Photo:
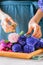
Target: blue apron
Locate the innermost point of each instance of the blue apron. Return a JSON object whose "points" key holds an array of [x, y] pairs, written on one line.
{"points": [[21, 12], [19, 0]]}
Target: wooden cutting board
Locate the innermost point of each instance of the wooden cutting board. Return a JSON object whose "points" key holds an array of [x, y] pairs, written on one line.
{"points": [[20, 55]]}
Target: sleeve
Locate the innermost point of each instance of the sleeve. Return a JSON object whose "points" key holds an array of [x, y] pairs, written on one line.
{"points": [[40, 4]]}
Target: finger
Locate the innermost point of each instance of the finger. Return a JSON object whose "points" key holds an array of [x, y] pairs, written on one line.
{"points": [[39, 34], [10, 29], [29, 31], [9, 19], [12, 21], [35, 33], [36, 29]]}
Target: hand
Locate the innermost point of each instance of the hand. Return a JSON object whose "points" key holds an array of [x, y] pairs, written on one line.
{"points": [[37, 29], [7, 22]]}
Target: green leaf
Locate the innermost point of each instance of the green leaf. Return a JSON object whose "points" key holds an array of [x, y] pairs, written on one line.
{"points": [[21, 33], [6, 41]]}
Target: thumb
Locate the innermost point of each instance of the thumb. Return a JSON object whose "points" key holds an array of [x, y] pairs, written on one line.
{"points": [[29, 30]]}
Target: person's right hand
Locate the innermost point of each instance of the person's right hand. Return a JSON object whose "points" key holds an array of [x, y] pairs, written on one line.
{"points": [[5, 20], [37, 29]]}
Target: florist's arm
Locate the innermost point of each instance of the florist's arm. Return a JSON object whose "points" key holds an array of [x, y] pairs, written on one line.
{"points": [[33, 24], [37, 17]]}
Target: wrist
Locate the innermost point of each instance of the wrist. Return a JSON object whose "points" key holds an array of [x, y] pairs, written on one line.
{"points": [[33, 21]]}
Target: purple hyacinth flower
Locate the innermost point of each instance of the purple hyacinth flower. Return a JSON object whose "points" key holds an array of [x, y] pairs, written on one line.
{"points": [[22, 40], [41, 43], [31, 40], [16, 48], [37, 45], [28, 48]]}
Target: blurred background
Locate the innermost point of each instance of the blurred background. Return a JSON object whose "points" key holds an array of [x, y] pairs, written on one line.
{"points": [[21, 12]]}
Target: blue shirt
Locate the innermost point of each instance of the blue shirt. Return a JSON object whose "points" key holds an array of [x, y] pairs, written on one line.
{"points": [[40, 4]]}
